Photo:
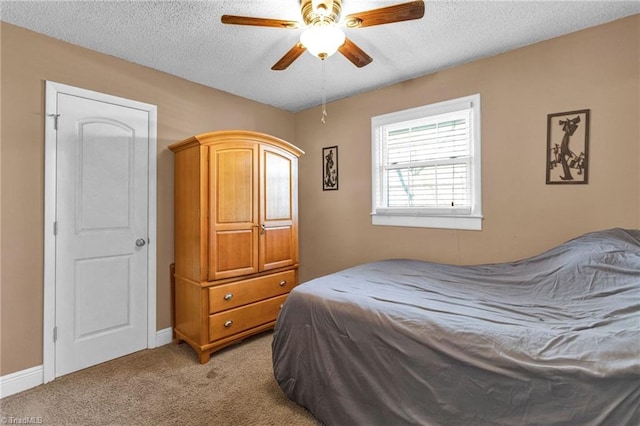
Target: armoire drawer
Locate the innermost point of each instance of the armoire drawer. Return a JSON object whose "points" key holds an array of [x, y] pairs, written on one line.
{"points": [[240, 319], [239, 293]]}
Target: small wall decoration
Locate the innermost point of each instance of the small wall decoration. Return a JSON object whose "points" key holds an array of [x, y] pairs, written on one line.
{"points": [[568, 147], [330, 168]]}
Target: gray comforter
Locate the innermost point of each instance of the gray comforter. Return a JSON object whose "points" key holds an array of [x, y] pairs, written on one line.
{"points": [[554, 339]]}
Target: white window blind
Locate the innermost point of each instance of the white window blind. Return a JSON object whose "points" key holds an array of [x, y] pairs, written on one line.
{"points": [[425, 161]]}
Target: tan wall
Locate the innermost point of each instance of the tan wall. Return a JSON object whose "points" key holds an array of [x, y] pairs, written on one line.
{"points": [[596, 69], [184, 109], [1, 205]]}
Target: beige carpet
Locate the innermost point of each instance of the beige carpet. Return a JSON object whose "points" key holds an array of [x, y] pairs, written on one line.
{"points": [[166, 386]]}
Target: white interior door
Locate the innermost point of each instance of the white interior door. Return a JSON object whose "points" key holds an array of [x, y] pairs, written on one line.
{"points": [[101, 231]]}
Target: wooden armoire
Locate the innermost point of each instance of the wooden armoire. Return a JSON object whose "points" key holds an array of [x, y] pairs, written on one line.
{"points": [[236, 235]]}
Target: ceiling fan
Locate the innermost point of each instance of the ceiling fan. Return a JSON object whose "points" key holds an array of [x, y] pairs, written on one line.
{"points": [[322, 36]]}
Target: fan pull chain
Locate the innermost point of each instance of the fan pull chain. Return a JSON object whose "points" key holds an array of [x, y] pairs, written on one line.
{"points": [[324, 93]]}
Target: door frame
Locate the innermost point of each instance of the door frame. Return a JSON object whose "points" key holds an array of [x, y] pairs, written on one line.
{"points": [[52, 89]]}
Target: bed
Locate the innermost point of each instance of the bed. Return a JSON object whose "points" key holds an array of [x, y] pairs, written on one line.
{"points": [[549, 340]]}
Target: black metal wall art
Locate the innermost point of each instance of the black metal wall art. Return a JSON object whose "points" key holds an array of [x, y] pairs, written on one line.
{"points": [[330, 168], [568, 147]]}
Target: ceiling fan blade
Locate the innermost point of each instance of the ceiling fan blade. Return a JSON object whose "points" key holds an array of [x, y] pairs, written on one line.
{"points": [[353, 53], [289, 57], [386, 15], [258, 22]]}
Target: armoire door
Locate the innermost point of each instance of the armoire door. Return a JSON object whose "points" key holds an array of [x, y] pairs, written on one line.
{"points": [[278, 209], [233, 210]]}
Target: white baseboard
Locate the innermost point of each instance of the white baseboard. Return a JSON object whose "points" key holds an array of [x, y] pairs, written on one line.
{"points": [[164, 336], [21, 381]]}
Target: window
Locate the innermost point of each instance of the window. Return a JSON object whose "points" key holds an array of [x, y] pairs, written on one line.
{"points": [[426, 166]]}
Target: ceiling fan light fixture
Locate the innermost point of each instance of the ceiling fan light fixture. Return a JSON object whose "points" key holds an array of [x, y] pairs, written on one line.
{"points": [[322, 37], [322, 40]]}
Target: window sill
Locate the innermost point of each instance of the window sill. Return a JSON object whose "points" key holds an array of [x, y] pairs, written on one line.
{"points": [[470, 223]]}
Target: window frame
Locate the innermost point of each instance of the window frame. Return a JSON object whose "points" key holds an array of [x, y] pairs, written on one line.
{"points": [[428, 217]]}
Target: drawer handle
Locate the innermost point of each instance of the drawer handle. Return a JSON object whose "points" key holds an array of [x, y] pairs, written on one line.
{"points": [[228, 323], [283, 283], [228, 296]]}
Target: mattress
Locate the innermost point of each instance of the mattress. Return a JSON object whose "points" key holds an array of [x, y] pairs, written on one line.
{"points": [[553, 339]]}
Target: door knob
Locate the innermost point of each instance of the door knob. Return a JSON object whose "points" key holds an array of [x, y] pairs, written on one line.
{"points": [[140, 242]]}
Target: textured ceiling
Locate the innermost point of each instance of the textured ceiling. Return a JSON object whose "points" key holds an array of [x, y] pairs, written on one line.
{"points": [[186, 39]]}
